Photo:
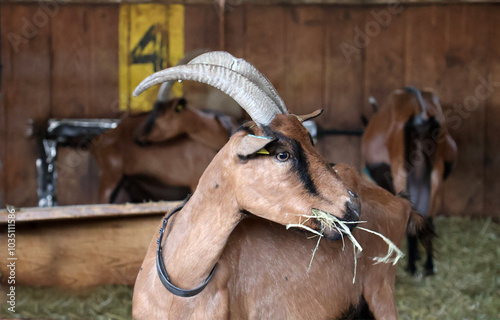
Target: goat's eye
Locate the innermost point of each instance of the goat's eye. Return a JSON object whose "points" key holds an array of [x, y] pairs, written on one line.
{"points": [[283, 156]]}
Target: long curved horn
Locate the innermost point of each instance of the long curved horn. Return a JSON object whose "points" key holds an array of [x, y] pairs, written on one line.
{"points": [[225, 59], [166, 87], [247, 94]]}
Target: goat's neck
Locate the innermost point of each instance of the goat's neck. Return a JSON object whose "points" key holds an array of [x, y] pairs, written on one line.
{"points": [[197, 235], [208, 131]]}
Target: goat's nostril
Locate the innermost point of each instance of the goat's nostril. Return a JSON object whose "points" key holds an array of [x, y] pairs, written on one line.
{"points": [[352, 194], [354, 209], [141, 143]]}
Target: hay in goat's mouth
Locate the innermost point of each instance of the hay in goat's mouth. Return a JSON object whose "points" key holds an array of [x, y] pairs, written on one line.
{"points": [[341, 226]]}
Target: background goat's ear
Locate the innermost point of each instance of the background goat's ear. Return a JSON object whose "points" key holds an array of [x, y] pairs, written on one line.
{"points": [[311, 115], [181, 104], [250, 145]]}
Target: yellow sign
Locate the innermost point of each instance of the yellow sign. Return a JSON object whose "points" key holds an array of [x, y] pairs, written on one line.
{"points": [[151, 38]]}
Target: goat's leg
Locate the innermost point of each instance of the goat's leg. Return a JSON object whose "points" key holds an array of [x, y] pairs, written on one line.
{"points": [[120, 187], [429, 265], [108, 184], [380, 300], [412, 254]]}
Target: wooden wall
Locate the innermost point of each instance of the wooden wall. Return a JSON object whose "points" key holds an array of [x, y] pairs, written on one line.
{"points": [[69, 69], [65, 66]]}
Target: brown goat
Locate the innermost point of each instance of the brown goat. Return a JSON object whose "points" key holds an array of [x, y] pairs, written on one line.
{"points": [[178, 155], [407, 147], [171, 120], [268, 175]]}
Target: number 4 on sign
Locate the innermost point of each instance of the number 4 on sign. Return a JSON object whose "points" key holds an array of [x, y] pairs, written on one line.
{"points": [[151, 49]]}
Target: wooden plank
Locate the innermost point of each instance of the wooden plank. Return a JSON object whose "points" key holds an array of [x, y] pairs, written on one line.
{"points": [[5, 77], [304, 60], [3, 151], [201, 27], [26, 95], [267, 50], [151, 40], [201, 31], [465, 49], [71, 81], [344, 91], [275, 2], [103, 34], [491, 116], [75, 255], [235, 28], [425, 46], [385, 28], [86, 211]]}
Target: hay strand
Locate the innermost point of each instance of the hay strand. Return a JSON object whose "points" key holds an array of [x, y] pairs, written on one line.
{"points": [[341, 226], [391, 249]]}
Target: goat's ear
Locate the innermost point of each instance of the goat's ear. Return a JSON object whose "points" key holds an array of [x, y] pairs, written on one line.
{"points": [[251, 145], [310, 116]]}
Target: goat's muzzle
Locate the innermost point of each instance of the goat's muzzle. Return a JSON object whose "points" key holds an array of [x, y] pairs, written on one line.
{"points": [[350, 217]]}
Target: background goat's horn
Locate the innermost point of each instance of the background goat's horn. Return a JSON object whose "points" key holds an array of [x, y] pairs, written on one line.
{"points": [[165, 90], [241, 66], [247, 94]]}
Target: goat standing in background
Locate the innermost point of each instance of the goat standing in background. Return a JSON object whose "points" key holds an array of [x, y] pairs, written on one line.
{"points": [[268, 175], [406, 147]]}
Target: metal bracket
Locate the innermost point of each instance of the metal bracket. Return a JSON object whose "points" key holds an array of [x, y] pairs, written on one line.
{"points": [[64, 132]]}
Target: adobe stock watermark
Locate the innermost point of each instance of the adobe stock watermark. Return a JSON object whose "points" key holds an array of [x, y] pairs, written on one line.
{"points": [[11, 258], [381, 19], [31, 25], [460, 111]]}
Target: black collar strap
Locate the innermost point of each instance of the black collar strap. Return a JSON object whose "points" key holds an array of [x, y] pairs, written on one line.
{"points": [[160, 265]]}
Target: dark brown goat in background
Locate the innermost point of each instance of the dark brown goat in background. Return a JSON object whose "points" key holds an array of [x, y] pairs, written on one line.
{"points": [[407, 148], [269, 175]]}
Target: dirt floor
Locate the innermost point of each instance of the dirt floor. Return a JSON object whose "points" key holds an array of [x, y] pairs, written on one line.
{"points": [[466, 286]]}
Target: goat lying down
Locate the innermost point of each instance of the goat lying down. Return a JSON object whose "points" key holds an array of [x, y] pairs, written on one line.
{"points": [[184, 139], [269, 175]]}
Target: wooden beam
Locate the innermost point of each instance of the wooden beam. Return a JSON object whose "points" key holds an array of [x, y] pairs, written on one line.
{"points": [[89, 211], [260, 2]]}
